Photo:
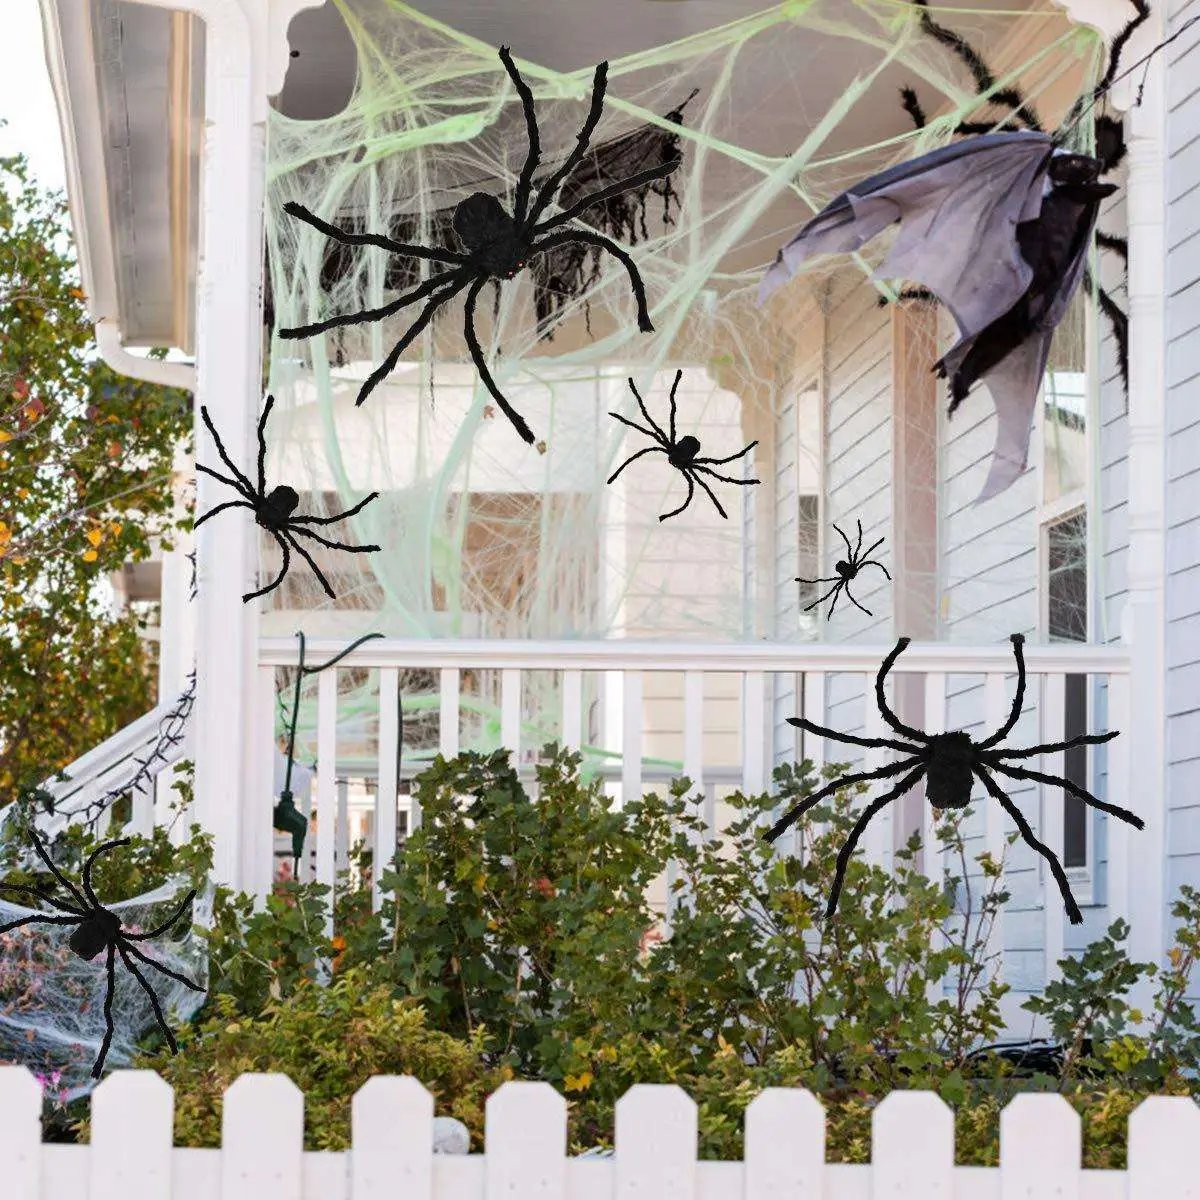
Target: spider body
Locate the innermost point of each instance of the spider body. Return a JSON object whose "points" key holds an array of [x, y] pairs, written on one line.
{"points": [[951, 763], [846, 571], [98, 929], [681, 452], [497, 245], [274, 510]]}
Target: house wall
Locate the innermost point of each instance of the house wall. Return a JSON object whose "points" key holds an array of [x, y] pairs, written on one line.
{"points": [[1183, 449]]}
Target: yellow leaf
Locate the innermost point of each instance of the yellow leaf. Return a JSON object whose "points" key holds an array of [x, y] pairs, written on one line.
{"points": [[5, 437], [90, 556], [578, 1083], [95, 536]]}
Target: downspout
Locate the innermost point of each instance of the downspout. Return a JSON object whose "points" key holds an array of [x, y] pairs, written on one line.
{"points": [[149, 370]]}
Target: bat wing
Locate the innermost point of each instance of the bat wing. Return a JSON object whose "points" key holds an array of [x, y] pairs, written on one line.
{"points": [[958, 209]]}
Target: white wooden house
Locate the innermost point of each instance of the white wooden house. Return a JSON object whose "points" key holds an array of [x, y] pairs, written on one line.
{"points": [[164, 105]]}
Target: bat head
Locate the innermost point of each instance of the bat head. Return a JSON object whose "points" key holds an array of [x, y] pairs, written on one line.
{"points": [[1074, 169]]}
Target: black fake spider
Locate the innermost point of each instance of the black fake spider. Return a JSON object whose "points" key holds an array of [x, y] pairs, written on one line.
{"points": [[950, 762], [497, 245], [847, 569], [681, 454], [273, 510], [99, 929]]}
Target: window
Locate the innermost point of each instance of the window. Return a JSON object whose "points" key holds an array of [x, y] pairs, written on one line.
{"points": [[1066, 621], [808, 546]]}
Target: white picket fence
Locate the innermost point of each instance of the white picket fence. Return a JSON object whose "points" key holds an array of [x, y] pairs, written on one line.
{"points": [[131, 1156]]}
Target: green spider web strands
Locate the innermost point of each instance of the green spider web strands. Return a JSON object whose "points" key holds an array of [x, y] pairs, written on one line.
{"points": [[482, 536]]}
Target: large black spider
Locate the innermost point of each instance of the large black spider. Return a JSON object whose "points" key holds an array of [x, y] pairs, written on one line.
{"points": [[273, 510], [681, 454], [949, 762], [847, 570], [97, 929], [496, 245], [1109, 137]]}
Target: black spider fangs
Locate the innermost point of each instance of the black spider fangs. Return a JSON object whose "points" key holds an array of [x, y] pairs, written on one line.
{"points": [[950, 762], [496, 245]]}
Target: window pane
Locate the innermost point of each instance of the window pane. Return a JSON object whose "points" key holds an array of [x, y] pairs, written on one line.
{"points": [[1066, 579], [1064, 434]]}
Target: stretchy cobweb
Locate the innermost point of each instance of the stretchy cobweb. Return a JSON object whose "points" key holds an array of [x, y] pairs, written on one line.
{"points": [[483, 536]]}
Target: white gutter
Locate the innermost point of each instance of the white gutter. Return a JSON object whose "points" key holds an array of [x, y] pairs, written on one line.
{"points": [[150, 370]]}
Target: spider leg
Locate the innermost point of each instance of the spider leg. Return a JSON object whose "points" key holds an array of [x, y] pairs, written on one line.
{"points": [[145, 985], [847, 850], [316, 537], [308, 558], [853, 739], [881, 700], [620, 187], [287, 561], [262, 445], [350, 512], [725, 478], [370, 239], [870, 549], [1018, 642], [850, 597], [388, 365], [74, 892], [709, 493], [87, 868], [534, 156], [220, 445], [74, 919], [858, 543], [655, 433], [212, 512], [1014, 772], [837, 595], [671, 398], [98, 1065], [45, 897], [240, 488], [1085, 739], [634, 458], [518, 421], [142, 956], [849, 550], [820, 599], [363, 315], [872, 563], [691, 492], [588, 238], [145, 937], [1060, 876], [548, 190], [658, 433], [717, 462]]}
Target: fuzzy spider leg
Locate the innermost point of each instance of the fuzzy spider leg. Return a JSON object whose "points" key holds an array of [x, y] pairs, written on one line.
{"points": [[880, 566], [549, 189], [1018, 644], [1060, 876], [220, 445], [1084, 739], [262, 444], [649, 175], [316, 537], [308, 558], [724, 478], [588, 238], [74, 919], [870, 550], [841, 583], [72, 890], [518, 421], [294, 209], [287, 562], [850, 738], [708, 491], [634, 458], [849, 549], [655, 434], [150, 962], [720, 462], [797, 811], [671, 398], [350, 512], [170, 921], [109, 1030], [145, 986], [691, 492], [534, 157], [237, 486], [88, 890], [654, 430], [837, 595], [1023, 773], [457, 280], [44, 897], [881, 699], [363, 315], [860, 607], [847, 850], [212, 512]]}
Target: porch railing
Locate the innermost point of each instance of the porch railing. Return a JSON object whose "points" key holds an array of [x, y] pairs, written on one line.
{"points": [[765, 672]]}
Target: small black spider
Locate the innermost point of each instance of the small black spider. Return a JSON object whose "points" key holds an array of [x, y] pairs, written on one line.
{"points": [[681, 454], [847, 569], [497, 245], [99, 929], [273, 510], [949, 761]]}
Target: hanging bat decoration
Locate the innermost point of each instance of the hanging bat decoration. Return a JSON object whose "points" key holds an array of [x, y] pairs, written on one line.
{"points": [[997, 227]]}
